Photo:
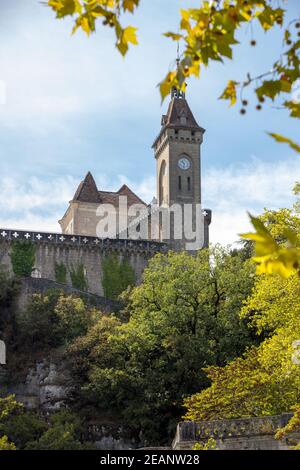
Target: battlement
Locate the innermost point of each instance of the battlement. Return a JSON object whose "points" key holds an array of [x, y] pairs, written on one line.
{"points": [[83, 241], [74, 250]]}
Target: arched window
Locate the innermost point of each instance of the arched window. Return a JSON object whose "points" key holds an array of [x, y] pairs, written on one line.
{"points": [[162, 183]]}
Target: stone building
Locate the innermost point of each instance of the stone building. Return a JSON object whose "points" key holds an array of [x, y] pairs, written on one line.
{"points": [[81, 216], [175, 216]]}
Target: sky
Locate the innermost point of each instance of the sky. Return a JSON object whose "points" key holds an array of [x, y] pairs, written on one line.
{"points": [[72, 104]]}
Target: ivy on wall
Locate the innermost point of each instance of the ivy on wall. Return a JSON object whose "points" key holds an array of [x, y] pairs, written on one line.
{"points": [[60, 271], [78, 278], [117, 276], [22, 257]]}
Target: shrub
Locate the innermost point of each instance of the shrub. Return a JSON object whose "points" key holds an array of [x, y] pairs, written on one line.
{"points": [[22, 258]]}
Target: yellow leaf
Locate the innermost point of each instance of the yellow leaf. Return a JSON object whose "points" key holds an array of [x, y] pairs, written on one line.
{"points": [[285, 140], [85, 25], [129, 5], [129, 35], [175, 37], [166, 85], [230, 92], [271, 257]]}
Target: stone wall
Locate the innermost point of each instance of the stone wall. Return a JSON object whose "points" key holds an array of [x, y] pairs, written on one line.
{"points": [[73, 250], [30, 286], [46, 387], [235, 434]]}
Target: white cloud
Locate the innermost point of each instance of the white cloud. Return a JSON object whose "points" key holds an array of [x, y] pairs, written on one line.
{"points": [[233, 191], [37, 204], [35, 194], [36, 223]]}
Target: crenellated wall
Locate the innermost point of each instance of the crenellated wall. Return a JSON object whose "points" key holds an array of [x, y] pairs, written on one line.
{"points": [[72, 250]]}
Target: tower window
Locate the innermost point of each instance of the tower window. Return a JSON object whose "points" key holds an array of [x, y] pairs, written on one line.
{"points": [[189, 183], [179, 183]]}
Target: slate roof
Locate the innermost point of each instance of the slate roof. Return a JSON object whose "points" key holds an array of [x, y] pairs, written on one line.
{"points": [[87, 191], [178, 109]]}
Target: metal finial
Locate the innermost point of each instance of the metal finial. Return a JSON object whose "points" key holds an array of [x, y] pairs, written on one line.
{"points": [[178, 57], [175, 92]]}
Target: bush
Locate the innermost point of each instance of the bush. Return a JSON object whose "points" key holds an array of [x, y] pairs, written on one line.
{"points": [[22, 258], [64, 433], [5, 444], [52, 320]]}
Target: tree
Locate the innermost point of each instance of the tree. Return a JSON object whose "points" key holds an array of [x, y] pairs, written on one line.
{"points": [[21, 429], [117, 276], [9, 288], [5, 444], [208, 34], [62, 433], [266, 379], [8, 407], [183, 317], [276, 240], [51, 320]]}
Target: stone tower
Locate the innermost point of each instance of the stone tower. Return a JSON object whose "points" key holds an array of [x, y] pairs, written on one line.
{"points": [[178, 155]]}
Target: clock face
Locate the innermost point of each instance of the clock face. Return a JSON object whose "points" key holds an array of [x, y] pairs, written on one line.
{"points": [[184, 163]]}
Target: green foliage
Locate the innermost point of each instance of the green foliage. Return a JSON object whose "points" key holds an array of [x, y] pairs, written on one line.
{"points": [[293, 426], [60, 273], [266, 379], [9, 288], [22, 257], [20, 429], [210, 444], [5, 444], [8, 407], [78, 278], [51, 320], [24, 427], [182, 317], [74, 317], [63, 433], [118, 275]]}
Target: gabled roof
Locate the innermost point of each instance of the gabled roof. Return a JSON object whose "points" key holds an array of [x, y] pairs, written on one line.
{"points": [[87, 191], [111, 197]]}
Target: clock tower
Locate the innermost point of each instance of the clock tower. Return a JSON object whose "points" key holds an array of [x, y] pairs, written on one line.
{"points": [[178, 157]]}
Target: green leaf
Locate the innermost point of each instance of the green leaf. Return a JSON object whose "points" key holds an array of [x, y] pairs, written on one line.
{"points": [[272, 88]]}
